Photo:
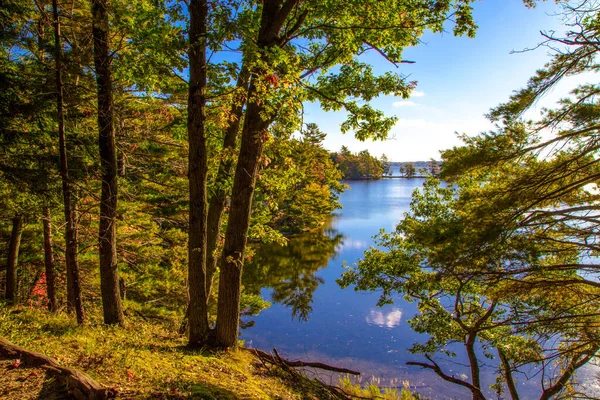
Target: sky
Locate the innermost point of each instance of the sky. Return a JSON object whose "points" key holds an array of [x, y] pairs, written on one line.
{"points": [[459, 81]]}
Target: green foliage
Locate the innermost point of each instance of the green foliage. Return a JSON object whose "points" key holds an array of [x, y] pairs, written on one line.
{"points": [[408, 170], [315, 59], [468, 277], [502, 260], [299, 185], [358, 166]]}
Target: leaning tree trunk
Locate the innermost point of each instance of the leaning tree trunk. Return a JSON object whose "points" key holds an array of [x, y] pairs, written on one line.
{"points": [[198, 172], [232, 261], [254, 134], [13, 258], [109, 276], [49, 262], [219, 197], [73, 282]]}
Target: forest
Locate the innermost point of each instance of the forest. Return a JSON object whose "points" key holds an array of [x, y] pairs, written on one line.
{"points": [[149, 149], [361, 165]]}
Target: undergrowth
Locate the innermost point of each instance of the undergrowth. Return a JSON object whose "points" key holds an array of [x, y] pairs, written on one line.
{"points": [[148, 359]]}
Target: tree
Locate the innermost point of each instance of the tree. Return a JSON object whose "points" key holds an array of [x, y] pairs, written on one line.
{"points": [[408, 170], [49, 262], [198, 170], [13, 258], [299, 184], [281, 61], [73, 278], [387, 165], [358, 166], [503, 259], [109, 276], [433, 167], [458, 271]]}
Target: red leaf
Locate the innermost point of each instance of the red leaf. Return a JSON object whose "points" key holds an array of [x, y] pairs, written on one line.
{"points": [[130, 375]]}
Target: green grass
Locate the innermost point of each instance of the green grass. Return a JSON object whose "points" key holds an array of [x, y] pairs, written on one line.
{"points": [[148, 359], [145, 359]]}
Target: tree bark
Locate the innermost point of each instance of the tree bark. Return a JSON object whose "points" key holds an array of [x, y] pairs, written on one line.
{"points": [[109, 275], [254, 134], [219, 198], [13, 258], [474, 365], [73, 282], [508, 376], [198, 173], [49, 262]]}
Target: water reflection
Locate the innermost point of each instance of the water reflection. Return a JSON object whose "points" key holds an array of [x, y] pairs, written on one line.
{"points": [[384, 319], [290, 271], [345, 328]]}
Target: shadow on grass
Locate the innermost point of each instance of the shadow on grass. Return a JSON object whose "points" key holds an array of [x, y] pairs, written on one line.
{"points": [[52, 388], [20, 381]]}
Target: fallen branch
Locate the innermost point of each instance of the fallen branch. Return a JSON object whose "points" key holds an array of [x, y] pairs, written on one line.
{"points": [[80, 385], [277, 359], [436, 368], [314, 387]]}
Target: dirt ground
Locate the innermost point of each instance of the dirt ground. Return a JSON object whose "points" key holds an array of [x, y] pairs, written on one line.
{"points": [[19, 382]]}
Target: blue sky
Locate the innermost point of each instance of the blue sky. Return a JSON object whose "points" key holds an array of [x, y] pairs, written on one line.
{"points": [[459, 80]]}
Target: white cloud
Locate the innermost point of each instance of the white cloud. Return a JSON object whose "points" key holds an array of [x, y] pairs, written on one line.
{"points": [[406, 103], [472, 127], [417, 93], [416, 139]]}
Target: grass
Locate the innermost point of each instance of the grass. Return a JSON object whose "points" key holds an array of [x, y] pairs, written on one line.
{"points": [[148, 359]]}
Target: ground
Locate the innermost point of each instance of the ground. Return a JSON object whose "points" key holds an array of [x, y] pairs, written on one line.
{"points": [[18, 382], [145, 360]]}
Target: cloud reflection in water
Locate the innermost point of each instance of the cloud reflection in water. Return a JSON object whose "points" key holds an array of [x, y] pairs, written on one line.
{"points": [[384, 319]]}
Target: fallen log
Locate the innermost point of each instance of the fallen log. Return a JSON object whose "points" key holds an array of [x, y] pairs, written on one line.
{"points": [[80, 385], [277, 359]]}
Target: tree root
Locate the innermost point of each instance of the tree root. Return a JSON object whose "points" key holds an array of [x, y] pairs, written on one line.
{"points": [[80, 385]]}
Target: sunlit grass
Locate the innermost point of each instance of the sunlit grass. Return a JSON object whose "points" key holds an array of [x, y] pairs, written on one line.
{"points": [[148, 359]]}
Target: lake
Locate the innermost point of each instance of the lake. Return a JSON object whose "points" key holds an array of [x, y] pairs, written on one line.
{"points": [[312, 318]]}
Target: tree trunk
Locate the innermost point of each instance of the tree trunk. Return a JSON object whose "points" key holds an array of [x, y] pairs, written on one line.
{"points": [[508, 376], [219, 198], [73, 282], [109, 276], [49, 262], [254, 134], [474, 365], [13, 258], [198, 172]]}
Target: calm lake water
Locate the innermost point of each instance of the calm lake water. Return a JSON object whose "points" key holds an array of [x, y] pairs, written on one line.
{"points": [[313, 319]]}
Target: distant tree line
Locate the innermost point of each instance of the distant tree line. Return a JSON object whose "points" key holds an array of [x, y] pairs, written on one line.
{"points": [[361, 165], [419, 169]]}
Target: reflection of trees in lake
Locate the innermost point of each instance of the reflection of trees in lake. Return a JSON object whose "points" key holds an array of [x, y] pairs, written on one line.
{"points": [[291, 270]]}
